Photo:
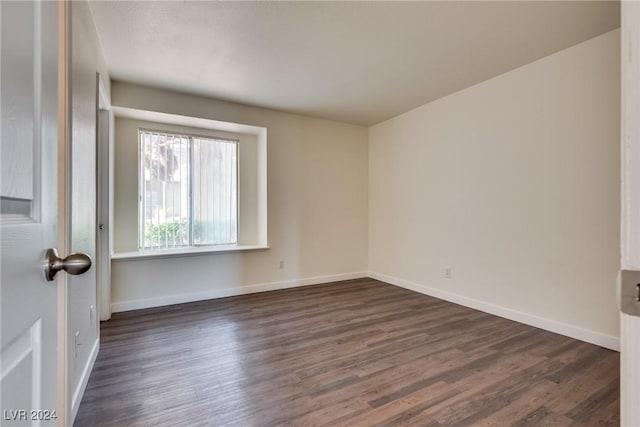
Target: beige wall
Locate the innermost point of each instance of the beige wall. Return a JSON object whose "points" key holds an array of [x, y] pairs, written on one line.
{"points": [[317, 206], [514, 184]]}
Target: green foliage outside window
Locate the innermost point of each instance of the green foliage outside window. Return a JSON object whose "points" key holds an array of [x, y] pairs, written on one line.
{"points": [[166, 234]]}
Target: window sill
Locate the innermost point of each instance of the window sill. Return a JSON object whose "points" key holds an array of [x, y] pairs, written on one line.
{"points": [[173, 253]]}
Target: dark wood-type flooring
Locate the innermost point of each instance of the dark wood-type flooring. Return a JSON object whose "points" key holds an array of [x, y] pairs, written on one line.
{"points": [[353, 353]]}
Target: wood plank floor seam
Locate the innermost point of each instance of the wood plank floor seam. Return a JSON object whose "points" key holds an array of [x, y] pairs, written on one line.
{"points": [[353, 353]]}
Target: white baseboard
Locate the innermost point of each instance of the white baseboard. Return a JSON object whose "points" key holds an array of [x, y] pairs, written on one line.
{"points": [[597, 338], [230, 291], [561, 328], [84, 379]]}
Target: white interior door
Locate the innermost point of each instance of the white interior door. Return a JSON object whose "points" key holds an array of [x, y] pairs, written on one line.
{"points": [[630, 325], [28, 155]]}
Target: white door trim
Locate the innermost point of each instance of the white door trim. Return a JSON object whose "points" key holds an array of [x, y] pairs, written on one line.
{"points": [[630, 221], [104, 183], [63, 160]]}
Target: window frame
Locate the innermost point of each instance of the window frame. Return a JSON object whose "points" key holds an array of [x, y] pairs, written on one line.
{"points": [[141, 185]]}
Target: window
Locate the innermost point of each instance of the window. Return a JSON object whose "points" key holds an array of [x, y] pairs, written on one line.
{"points": [[188, 190]]}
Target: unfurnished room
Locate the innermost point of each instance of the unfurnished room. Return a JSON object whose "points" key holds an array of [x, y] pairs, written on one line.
{"points": [[319, 213]]}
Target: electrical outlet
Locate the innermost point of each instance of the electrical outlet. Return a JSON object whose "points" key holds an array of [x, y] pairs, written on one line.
{"points": [[447, 272], [281, 265]]}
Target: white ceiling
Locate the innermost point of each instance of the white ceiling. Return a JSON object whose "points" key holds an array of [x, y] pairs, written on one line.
{"points": [[356, 62]]}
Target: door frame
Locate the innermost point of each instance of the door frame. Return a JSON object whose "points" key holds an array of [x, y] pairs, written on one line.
{"points": [[104, 211], [630, 195], [64, 208]]}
